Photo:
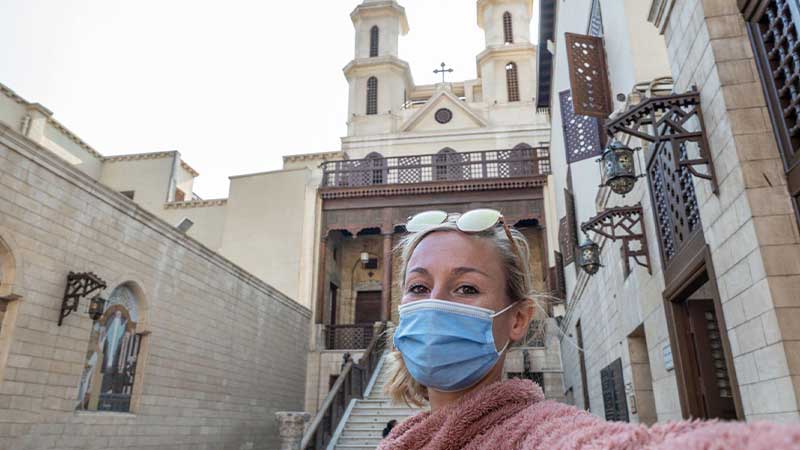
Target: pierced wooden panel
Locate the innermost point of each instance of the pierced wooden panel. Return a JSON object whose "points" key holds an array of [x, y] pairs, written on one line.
{"points": [[676, 210], [581, 133], [564, 242], [559, 282], [588, 75]]}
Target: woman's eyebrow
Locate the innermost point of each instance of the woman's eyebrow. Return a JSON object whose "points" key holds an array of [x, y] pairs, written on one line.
{"points": [[463, 270], [420, 270]]}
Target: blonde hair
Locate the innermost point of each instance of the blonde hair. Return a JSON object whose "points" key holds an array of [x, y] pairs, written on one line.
{"points": [[519, 287]]}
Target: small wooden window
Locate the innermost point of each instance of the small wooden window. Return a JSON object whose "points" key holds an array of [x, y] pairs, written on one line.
{"points": [[128, 194], [372, 96], [512, 82], [180, 196], [374, 35], [508, 29]]}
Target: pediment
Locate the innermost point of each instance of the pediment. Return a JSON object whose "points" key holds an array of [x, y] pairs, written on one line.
{"points": [[462, 117]]}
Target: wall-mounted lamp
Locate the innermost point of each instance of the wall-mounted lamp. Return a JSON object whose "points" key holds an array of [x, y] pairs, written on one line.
{"points": [[589, 256], [96, 307], [618, 167]]}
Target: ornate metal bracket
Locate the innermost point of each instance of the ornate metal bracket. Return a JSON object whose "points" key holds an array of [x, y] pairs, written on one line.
{"points": [[663, 119], [621, 223], [79, 285]]}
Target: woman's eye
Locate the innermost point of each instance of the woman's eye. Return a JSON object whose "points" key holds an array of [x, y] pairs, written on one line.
{"points": [[417, 289], [466, 290]]}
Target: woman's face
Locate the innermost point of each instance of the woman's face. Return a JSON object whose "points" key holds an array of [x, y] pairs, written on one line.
{"points": [[457, 267]]}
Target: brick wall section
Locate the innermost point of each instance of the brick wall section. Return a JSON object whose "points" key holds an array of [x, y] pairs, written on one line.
{"points": [[750, 226], [225, 351]]}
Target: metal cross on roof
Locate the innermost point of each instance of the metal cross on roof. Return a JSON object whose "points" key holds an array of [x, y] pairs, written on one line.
{"points": [[443, 71]]}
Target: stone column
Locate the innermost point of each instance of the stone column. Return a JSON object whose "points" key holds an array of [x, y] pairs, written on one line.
{"points": [[386, 293], [290, 427], [320, 313]]}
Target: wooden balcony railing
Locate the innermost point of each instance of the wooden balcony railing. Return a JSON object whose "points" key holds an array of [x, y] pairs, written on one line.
{"points": [[521, 161], [351, 383], [348, 337]]}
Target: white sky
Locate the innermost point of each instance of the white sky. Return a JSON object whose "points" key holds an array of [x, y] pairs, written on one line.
{"points": [[233, 85]]}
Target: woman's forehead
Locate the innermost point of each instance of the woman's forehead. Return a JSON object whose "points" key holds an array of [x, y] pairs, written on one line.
{"points": [[442, 249]]}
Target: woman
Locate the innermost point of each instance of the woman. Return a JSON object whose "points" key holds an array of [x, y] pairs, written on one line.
{"points": [[466, 296]]}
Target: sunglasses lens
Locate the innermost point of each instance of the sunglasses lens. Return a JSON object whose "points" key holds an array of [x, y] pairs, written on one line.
{"points": [[424, 220], [478, 220]]}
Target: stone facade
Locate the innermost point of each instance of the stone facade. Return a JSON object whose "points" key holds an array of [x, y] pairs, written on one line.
{"points": [[749, 225], [221, 351]]}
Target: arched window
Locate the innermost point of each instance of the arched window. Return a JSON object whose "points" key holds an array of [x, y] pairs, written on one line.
{"points": [[375, 165], [512, 82], [110, 370], [508, 29], [7, 303], [372, 96], [449, 165], [373, 41]]}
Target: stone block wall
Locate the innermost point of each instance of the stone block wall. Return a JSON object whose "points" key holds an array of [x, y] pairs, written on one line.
{"points": [[222, 350], [750, 226]]}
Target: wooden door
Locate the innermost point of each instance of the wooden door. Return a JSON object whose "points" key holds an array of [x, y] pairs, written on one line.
{"points": [[710, 370], [368, 307]]}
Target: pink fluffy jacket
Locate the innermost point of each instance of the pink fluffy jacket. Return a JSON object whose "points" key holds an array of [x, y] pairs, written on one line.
{"points": [[513, 415]]}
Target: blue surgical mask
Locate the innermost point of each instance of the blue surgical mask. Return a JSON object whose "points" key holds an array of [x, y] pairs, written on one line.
{"points": [[447, 346]]}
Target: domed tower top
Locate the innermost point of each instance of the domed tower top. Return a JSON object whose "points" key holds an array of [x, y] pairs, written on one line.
{"points": [[505, 21], [379, 25]]}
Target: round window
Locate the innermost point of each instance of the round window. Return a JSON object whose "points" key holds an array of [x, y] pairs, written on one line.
{"points": [[443, 115]]}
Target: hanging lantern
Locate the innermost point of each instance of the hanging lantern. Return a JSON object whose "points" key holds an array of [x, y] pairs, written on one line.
{"points": [[364, 257], [589, 257], [618, 167], [96, 306]]}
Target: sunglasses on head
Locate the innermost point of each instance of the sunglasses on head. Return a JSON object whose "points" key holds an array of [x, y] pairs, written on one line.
{"points": [[474, 221]]}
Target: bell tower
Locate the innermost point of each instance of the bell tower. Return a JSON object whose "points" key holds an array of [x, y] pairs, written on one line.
{"points": [[507, 65], [377, 77]]}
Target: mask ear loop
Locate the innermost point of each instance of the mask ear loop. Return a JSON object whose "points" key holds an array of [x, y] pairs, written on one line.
{"points": [[508, 342]]}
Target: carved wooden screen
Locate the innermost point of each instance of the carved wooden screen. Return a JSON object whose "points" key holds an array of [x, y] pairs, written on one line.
{"points": [[614, 401], [588, 75], [676, 210], [774, 27], [581, 133]]}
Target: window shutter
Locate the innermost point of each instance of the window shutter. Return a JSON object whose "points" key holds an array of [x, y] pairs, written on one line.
{"points": [[559, 282], [588, 75], [572, 223], [581, 133], [564, 242], [614, 402]]}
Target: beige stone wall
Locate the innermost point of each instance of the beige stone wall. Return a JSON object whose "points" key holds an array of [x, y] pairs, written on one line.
{"points": [[224, 350], [750, 226]]}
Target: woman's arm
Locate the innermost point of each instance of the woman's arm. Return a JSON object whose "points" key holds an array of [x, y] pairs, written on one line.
{"points": [[559, 426]]}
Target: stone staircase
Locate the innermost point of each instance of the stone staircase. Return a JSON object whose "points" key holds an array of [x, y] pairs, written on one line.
{"points": [[365, 419]]}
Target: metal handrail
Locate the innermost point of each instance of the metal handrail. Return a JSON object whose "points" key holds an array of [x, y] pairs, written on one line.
{"points": [[351, 383]]}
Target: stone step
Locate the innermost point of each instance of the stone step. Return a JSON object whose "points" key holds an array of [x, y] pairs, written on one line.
{"points": [[380, 412], [371, 433], [355, 446], [377, 419], [358, 441]]}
